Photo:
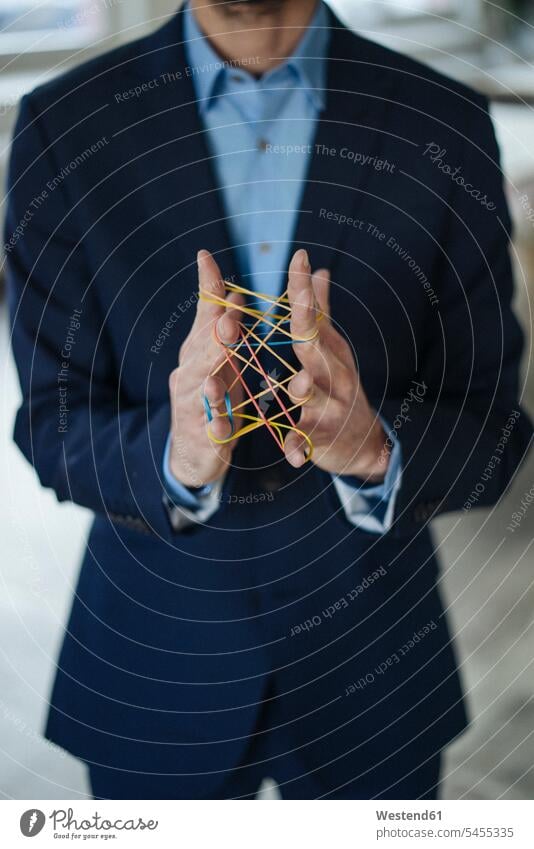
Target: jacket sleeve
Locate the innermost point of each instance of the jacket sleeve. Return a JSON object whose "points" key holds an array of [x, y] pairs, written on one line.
{"points": [[84, 439], [462, 430]]}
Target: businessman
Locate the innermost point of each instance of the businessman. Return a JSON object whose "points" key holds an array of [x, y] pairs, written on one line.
{"points": [[242, 613]]}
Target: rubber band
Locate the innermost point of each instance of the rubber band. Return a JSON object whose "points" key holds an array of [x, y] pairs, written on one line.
{"points": [[229, 413], [272, 319], [269, 329]]}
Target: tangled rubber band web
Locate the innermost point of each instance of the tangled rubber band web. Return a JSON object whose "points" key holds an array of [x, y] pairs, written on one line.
{"points": [[269, 329]]}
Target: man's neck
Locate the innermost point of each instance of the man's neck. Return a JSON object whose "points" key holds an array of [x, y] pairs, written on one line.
{"points": [[267, 32]]}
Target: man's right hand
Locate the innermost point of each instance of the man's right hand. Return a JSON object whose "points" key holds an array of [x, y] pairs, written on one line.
{"points": [[195, 460]]}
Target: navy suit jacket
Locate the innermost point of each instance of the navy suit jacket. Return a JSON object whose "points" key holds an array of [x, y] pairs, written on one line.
{"points": [[174, 639]]}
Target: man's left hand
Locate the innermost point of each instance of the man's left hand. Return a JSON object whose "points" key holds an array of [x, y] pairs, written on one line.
{"points": [[347, 435]]}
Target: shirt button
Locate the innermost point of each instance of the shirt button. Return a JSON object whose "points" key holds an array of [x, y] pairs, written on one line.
{"points": [[265, 248], [263, 144], [235, 78]]}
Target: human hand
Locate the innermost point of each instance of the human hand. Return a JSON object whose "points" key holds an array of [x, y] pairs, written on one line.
{"points": [[195, 460], [347, 436]]}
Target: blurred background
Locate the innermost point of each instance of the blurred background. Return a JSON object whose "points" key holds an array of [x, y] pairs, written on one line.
{"points": [[487, 570]]}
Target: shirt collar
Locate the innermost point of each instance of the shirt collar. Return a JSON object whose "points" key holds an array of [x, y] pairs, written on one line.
{"points": [[308, 60]]}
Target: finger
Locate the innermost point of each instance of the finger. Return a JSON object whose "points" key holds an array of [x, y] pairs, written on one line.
{"points": [[304, 325], [333, 339], [236, 300], [295, 448], [321, 289], [301, 297], [210, 285], [227, 327], [302, 388], [202, 344], [339, 346], [318, 409], [215, 393], [211, 289]]}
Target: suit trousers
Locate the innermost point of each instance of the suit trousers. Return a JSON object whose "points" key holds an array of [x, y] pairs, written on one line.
{"points": [[271, 754]]}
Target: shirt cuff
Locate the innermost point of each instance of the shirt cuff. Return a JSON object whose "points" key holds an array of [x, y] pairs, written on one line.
{"points": [[186, 507], [371, 507]]}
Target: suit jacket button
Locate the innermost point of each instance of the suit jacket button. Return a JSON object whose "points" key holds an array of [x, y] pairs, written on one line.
{"points": [[271, 482], [421, 513]]}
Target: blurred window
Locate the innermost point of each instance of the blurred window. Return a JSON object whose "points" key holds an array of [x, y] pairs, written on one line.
{"points": [[435, 31], [50, 24], [389, 11], [409, 8]]}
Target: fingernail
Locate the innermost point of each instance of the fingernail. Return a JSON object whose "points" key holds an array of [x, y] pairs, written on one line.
{"points": [[305, 259], [299, 459], [202, 254], [300, 258]]}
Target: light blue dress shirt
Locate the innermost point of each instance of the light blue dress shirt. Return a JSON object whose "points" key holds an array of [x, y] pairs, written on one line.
{"points": [[261, 134]]}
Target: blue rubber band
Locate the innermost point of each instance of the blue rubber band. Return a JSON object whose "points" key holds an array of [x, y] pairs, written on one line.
{"points": [[207, 409], [229, 411]]}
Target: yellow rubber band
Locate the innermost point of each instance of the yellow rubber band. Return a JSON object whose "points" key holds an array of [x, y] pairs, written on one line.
{"points": [[243, 355]]}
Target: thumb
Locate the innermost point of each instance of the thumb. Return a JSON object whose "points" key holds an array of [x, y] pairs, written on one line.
{"points": [[211, 289]]}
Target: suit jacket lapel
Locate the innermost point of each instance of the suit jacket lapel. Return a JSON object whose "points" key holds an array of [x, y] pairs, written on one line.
{"points": [[182, 149], [356, 108]]}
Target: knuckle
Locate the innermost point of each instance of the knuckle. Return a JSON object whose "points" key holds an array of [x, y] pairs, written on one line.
{"points": [[307, 351], [346, 385], [174, 380], [215, 394], [346, 348], [316, 355]]}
